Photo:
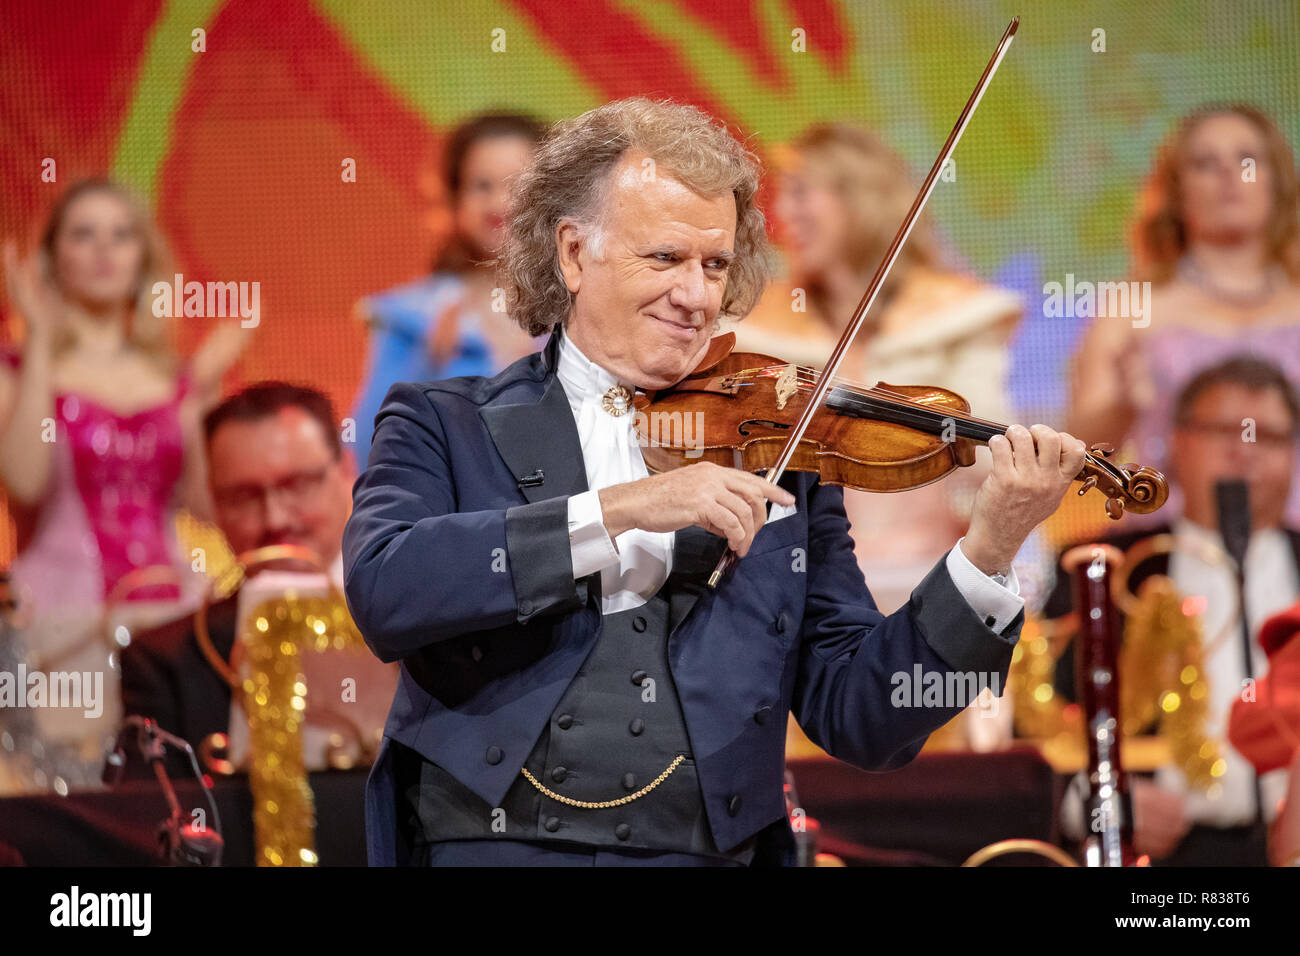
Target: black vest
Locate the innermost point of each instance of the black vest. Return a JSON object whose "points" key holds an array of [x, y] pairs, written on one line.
{"points": [[617, 728]]}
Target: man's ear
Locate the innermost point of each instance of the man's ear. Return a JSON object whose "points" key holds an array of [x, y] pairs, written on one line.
{"points": [[568, 245]]}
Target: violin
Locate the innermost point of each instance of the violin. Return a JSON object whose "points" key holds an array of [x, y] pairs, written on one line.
{"points": [[739, 408], [762, 414]]}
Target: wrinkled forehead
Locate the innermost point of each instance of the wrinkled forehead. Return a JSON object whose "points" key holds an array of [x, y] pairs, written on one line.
{"points": [[646, 199]]}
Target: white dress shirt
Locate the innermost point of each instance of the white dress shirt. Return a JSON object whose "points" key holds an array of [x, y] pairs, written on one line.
{"points": [[635, 565]]}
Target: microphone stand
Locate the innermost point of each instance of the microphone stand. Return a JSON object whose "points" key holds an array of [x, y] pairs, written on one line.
{"points": [[1233, 501], [179, 844], [1248, 663]]}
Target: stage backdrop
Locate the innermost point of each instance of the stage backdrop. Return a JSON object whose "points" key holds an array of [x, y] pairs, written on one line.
{"points": [[239, 147]]}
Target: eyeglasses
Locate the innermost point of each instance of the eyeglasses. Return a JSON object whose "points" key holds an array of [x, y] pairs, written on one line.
{"points": [[1272, 439], [297, 490]]}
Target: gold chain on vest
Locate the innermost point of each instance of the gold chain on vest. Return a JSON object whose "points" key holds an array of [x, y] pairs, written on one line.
{"points": [[604, 804]]}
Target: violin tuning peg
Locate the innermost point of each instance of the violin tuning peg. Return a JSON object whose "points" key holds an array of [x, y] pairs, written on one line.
{"points": [[1102, 448], [1114, 508], [1089, 483]]}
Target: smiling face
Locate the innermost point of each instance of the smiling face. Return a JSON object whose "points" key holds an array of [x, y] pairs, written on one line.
{"points": [[1219, 204], [646, 308]]}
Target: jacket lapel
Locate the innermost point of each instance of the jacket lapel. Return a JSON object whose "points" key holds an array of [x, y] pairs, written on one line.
{"points": [[539, 440], [695, 555], [539, 443]]}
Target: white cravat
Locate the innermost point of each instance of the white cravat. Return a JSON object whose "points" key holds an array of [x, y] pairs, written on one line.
{"points": [[631, 573], [635, 565]]}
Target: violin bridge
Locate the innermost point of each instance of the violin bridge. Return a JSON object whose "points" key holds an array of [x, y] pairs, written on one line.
{"points": [[787, 383]]}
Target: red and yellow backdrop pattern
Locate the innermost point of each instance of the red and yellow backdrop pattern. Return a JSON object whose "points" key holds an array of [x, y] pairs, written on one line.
{"points": [[239, 147]]}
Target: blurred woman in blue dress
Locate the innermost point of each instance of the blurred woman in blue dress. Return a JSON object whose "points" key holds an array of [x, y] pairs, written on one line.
{"points": [[453, 321]]}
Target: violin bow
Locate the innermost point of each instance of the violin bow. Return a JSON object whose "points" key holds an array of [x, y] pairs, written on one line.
{"points": [[832, 366]]}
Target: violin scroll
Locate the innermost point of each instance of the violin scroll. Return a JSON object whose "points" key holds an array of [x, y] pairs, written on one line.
{"points": [[1127, 487]]}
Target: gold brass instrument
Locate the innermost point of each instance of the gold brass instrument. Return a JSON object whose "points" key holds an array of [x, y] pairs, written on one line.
{"points": [[1008, 847], [274, 696], [1163, 658], [1161, 667]]}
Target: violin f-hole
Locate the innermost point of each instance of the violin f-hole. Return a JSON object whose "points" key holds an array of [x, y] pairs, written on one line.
{"points": [[758, 421]]}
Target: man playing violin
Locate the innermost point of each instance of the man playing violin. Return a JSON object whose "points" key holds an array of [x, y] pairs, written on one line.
{"points": [[572, 690]]}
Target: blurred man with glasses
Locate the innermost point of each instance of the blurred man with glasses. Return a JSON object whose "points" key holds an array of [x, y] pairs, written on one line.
{"points": [[1236, 421], [278, 476]]}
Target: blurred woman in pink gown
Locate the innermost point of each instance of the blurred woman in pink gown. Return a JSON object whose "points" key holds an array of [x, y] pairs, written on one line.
{"points": [[1218, 239], [99, 446]]}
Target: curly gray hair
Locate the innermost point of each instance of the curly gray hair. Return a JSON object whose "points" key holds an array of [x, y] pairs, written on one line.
{"points": [[569, 178]]}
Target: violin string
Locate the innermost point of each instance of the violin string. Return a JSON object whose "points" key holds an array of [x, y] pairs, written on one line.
{"points": [[927, 419], [877, 391], [900, 397], [810, 376], [929, 415], [997, 427], [806, 375]]}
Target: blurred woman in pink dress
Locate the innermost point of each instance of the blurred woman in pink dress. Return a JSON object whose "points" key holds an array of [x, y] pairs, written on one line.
{"points": [[99, 446], [1218, 239]]}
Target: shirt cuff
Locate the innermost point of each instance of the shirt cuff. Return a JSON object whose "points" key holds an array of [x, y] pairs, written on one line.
{"points": [[589, 543], [997, 603]]}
